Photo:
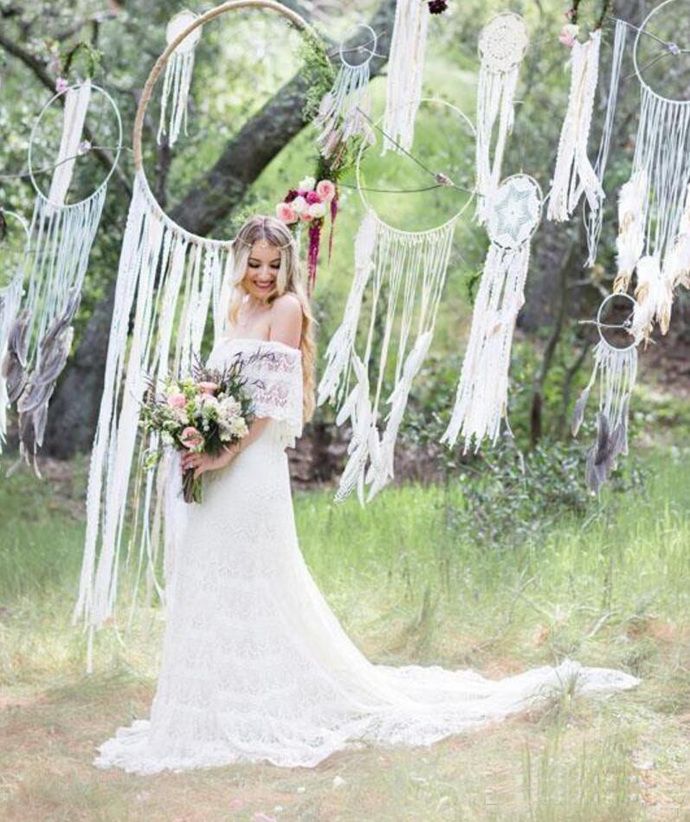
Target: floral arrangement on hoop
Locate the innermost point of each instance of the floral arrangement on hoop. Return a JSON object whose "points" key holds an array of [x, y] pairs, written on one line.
{"points": [[311, 202], [205, 413]]}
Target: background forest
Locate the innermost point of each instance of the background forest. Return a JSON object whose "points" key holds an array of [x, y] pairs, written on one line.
{"points": [[525, 566]]}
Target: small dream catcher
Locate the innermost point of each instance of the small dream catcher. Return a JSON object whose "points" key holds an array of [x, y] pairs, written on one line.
{"points": [[57, 254], [399, 279], [178, 76], [512, 217], [616, 368], [502, 47], [344, 110]]}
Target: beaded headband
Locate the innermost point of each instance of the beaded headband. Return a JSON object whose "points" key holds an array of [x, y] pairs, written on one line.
{"points": [[264, 243]]}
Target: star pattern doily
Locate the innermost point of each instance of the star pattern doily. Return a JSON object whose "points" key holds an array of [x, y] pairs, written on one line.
{"points": [[514, 212]]}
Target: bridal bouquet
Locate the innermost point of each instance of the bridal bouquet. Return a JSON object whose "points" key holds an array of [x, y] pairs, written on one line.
{"points": [[204, 413]]}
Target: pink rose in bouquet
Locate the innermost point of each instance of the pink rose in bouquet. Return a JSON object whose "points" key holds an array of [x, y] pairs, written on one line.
{"points": [[205, 413]]}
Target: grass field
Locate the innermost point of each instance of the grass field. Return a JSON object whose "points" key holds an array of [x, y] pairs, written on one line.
{"points": [[609, 588]]}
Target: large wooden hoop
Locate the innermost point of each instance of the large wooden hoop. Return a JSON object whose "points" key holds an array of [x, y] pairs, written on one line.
{"points": [[159, 65]]}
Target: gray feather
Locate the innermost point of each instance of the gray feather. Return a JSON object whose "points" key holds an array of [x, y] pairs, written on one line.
{"points": [[579, 411]]}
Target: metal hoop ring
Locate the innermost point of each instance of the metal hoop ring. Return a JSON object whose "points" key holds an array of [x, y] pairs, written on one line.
{"points": [[638, 72], [358, 172], [372, 51], [118, 151], [604, 302], [5, 212], [202, 19]]}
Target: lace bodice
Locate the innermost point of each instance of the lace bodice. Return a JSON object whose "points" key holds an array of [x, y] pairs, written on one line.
{"points": [[274, 380]]}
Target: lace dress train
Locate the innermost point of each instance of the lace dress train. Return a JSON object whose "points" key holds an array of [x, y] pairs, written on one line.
{"points": [[255, 665]]}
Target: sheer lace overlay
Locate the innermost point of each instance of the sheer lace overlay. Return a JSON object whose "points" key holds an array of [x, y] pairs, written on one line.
{"points": [[274, 379], [255, 666]]}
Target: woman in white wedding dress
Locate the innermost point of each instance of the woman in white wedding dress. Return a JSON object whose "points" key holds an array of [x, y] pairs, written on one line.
{"points": [[255, 665]]}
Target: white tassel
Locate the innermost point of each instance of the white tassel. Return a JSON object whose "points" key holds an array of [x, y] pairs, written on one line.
{"points": [[676, 268], [186, 270], [653, 297], [342, 342], [10, 298], [574, 174], [405, 74], [178, 77], [482, 395], [502, 46], [381, 469], [630, 240], [57, 258], [662, 151], [76, 105], [407, 270], [594, 217], [344, 110]]}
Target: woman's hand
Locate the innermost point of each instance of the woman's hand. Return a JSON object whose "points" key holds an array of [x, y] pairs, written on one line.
{"points": [[205, 462]]}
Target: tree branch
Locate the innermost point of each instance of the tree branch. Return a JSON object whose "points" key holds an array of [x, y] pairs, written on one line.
{"points": [[40, 71]]}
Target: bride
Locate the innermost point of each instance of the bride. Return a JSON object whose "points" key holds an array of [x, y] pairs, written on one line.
{"points": [[255, 666]]}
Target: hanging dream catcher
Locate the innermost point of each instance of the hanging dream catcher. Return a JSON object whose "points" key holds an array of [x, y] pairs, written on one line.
{"points": [[344, 110], [405, 74], [11, 280], [653, 227], [168, 279], [178, 76], [57, 255], [574, 174], [403, 274], [481, 400], [502, 47], [616, 368]]}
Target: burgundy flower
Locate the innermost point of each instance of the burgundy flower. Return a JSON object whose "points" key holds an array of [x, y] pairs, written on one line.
{"points": [[291, 195], [312, 197], [438, 6]]}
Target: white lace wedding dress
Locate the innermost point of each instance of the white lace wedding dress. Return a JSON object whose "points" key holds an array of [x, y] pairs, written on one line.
{"points": [[255, 665]]}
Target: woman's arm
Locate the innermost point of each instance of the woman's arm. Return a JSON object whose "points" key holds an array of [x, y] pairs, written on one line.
{"points": [[205, 462]]}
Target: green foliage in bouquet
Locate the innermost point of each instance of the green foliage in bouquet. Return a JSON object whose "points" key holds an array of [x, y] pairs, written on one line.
{"points": [[205, 413]]}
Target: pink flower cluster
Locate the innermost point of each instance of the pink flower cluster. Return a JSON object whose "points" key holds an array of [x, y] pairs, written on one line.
{"points": [[310, 201], [568, 35]]}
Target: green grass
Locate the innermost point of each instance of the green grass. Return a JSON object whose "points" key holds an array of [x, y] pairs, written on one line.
{"points": [[610, 588]]}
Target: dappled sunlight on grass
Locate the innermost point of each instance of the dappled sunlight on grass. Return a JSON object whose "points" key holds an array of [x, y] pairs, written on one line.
{"points": [[610, 589]]}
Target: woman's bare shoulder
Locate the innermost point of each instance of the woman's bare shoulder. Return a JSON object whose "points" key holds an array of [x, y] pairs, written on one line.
{"points": [[286, 319]]}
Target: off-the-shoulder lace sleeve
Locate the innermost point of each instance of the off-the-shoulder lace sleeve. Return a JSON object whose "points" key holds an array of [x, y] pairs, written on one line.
{"points": [[274, 373]]}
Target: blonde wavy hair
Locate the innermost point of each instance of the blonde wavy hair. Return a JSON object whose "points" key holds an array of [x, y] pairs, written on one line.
{"points": [[289, 279]]}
